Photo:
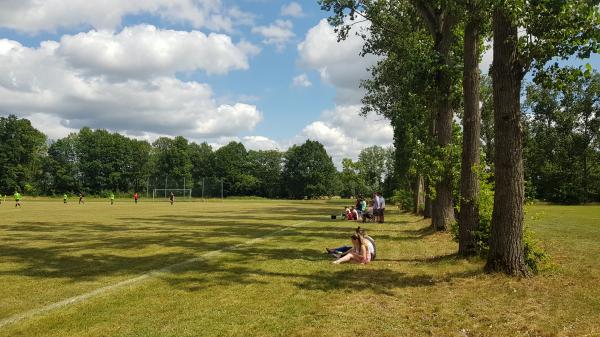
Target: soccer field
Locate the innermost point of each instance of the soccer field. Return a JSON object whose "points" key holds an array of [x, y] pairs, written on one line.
{"points": [[258, 268]]}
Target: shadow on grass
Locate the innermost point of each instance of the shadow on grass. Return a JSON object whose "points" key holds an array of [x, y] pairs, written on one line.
{"points": [[361, 278], [87, 250]]}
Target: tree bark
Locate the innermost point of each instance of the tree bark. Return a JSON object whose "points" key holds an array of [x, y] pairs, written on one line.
{"points": [[419, 196], [506, 240], [469, 183], [427, 208], [443, 211]]}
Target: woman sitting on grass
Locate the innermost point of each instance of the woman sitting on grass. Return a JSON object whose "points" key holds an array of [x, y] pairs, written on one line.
{"points": [[358, 254]]}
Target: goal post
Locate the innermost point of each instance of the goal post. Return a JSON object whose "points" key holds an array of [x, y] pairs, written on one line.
{"points": [[158, 193], [209, 188]]}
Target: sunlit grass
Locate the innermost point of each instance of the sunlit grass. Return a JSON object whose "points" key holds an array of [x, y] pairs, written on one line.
{"points": [[283, 284]]}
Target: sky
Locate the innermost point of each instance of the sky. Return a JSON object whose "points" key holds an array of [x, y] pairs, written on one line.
{"points": [[267, 73]]}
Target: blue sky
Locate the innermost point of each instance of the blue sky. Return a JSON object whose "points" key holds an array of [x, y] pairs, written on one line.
{"points": [[268, 73]]}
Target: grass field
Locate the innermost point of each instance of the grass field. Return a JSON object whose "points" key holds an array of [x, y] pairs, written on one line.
{"points": [[258, 268]]}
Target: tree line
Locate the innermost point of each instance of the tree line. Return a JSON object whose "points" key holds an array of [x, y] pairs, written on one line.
{"points": [[98, 162], [428, 79]]}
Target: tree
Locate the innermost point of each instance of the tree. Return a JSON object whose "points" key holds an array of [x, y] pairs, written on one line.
{"points": [[371, 166], [266, 167], [202, 159], [231, 164], [172, 161], [440, 19], [469, 182], [21, 150], [552, 29], [352, 182], [61, 166], [308, 171], [561, 155]]}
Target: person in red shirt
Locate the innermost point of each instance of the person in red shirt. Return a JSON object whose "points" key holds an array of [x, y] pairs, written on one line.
{"points": [[135, 197]]}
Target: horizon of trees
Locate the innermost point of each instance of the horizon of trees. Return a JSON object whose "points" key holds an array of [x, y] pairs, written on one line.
{"points": [[98, 162]]}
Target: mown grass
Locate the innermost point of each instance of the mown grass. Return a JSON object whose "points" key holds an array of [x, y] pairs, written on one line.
{"points": [[284, 284]]}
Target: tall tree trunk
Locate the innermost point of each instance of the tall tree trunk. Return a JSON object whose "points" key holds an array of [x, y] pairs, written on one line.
{"points": [[419, 195], [469, 183], [443, 210], [506, 241]]}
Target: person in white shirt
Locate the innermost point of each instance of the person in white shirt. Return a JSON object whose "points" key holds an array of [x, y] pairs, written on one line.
{"points": [[381, 206]]}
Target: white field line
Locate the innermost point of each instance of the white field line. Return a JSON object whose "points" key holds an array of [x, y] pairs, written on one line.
{"points": [[103, 290]]}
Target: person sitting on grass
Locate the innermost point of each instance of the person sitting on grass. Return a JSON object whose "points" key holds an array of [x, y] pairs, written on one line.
{"points": [[359, 252], [340, 251], [353, 215], [345, 213]]}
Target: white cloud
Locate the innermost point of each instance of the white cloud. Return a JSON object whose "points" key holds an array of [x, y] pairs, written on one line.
{"points": [[344, 133], [292, 9], [338, 63], [277, 33], [145, 51], [301, 81], [33, 15], [43, 84], [260, 143]]}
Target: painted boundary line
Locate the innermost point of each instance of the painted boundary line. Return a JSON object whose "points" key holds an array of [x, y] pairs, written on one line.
{"points": [[103, 290]]}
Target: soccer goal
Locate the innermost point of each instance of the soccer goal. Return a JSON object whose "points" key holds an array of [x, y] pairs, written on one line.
{"points": [[158, 193]]}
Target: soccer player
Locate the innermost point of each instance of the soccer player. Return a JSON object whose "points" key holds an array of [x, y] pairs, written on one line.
{"points": [[172, 198], [112, 198], [135, 197], [65, 198], [81, 201], [17, 199]]}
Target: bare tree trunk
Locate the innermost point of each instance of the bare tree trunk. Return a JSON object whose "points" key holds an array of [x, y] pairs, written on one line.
{"points": [[469, 183], [506, 241], [443, 210], [428, 203], [419, 196]]}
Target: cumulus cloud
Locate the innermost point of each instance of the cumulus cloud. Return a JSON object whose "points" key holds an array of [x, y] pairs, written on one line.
{"points": [[338, 63], [277, 33], [301, 81], [344, 133], [292, 9], [145, 51], [54, 87], [260, 143], [33, 16]]}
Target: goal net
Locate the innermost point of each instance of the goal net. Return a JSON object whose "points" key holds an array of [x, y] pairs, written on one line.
{"points": [[164, 193], [209, 188]]}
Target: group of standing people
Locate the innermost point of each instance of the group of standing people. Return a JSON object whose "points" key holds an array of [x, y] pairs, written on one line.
{"points": [[374, 212]]}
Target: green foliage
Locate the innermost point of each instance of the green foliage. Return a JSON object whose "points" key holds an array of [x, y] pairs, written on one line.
{"points": [[534, 255], [562, 138], [308, 171], [21, 150], [403, 198]]}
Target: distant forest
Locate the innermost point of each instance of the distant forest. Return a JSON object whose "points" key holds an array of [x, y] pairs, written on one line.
{"points": [[98, 162]]}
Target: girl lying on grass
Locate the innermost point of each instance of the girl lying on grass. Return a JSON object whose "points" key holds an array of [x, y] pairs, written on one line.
{"points": [[359, 252]]}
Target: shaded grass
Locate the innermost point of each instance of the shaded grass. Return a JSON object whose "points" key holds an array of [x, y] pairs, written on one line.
{"points": [[283, 285]]}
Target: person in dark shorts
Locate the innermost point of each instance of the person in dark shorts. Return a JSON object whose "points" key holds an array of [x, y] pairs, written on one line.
{"points": [[172, 198], [81, 196]]}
